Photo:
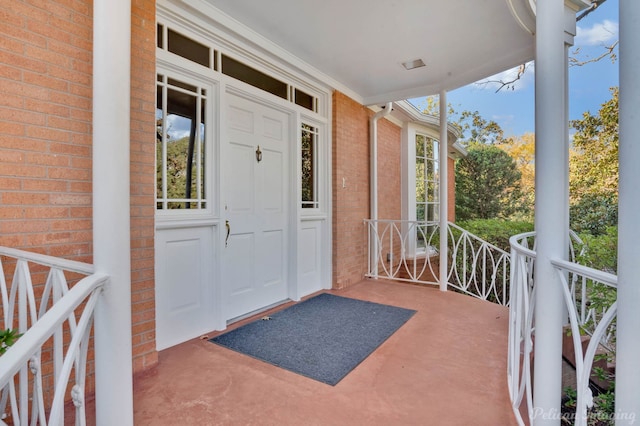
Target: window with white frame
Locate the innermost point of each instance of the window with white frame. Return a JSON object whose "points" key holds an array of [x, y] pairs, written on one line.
{"points": [[180, 145], [309, 166], [427, 185]]}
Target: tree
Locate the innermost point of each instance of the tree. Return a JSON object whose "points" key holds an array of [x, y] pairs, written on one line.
{"points": [[176, 172], [487, 184], [476, 129], [593, 169], [594, 158], [574, 60], [522, 150]]}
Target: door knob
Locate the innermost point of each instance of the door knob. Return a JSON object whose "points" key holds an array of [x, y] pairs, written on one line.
{"points": [[228, 226]]}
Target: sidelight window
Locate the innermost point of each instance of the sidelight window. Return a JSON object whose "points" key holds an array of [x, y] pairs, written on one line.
{"points": [[309, 164], [180, 145]]}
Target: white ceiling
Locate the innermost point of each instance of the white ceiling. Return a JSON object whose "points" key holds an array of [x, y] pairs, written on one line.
{"points": [[362, 43]]}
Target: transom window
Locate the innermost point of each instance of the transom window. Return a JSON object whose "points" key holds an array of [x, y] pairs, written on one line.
{"points": [[176, 43], [180, 145]]}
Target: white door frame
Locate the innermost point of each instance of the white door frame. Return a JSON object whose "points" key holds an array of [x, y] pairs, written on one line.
{"points": [[255, 96], [205, 29], [236, 88]]}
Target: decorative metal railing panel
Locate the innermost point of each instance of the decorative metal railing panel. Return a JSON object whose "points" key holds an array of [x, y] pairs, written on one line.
{"points": [[409, 251], [55, 329], [581, 286], [589, 296]]}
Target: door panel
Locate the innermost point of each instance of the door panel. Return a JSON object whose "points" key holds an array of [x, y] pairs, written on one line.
{"points": [[255, 192], [183, 291]]}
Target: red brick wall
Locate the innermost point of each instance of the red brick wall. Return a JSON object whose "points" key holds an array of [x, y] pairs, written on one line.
{"points": [[45, 141], [45, 127], [351, 201], [143, 175], [389, 171]]}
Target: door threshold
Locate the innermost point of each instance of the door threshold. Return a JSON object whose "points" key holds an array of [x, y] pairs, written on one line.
{"points": [[257, 311]]}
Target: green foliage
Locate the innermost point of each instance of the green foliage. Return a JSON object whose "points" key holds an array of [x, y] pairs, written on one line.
{"points": [[594, 158], [487, 184], [522, 150], [477, 130], [594, 213], [570, 397], [7, 338], [600, 251], [496, 231], [177, 163]]}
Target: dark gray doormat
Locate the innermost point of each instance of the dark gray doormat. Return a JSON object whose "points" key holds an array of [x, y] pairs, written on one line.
{"points": [[323, 338]]}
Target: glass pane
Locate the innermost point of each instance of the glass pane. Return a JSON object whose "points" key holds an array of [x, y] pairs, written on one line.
{"points": [[420, 180], [180, 123], [201, 192], [430, 166], [159, 137], [188, 49], [251, 76], [435, 149], [430, 212], [429, 149], [432, 191], [176, 83], [420, 211], [180, 147], [159, 41], [419, 146], [309, 135], [304, 100]]}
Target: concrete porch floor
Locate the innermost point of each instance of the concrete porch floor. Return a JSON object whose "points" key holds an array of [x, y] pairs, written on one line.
{"points": [[445, 366]]}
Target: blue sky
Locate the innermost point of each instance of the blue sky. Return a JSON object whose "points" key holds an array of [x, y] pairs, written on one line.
{"points": [[589, 84]]}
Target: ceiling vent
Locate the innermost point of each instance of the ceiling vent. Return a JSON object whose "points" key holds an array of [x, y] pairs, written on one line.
{"points": [[414, 63]]}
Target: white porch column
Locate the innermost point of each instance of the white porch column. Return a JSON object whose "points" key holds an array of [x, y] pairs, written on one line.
{"points": [[550, 210], [374, 259], [444, 203], [628, 343], [111, 209]]}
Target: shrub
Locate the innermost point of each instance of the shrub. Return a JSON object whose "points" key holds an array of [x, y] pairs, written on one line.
{"points": [[600, 251], [496, 231], [594, 213], [7, 338]]}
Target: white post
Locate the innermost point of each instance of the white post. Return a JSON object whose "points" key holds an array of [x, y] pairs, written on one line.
{"points": [[111, 209], [628, 322], [444, 183], [550, 218]]}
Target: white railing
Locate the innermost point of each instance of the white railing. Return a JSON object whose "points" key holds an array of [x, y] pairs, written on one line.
{"points": [[580, 286], [521, 310], [591, 307], [408, 251], [46, 367]]}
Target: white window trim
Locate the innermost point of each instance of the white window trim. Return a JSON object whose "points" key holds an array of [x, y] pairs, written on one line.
{"points": [[210, 195], [408, 197]]}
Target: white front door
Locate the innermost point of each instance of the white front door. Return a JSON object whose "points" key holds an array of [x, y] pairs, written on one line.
{"points": [[255, 206]]}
